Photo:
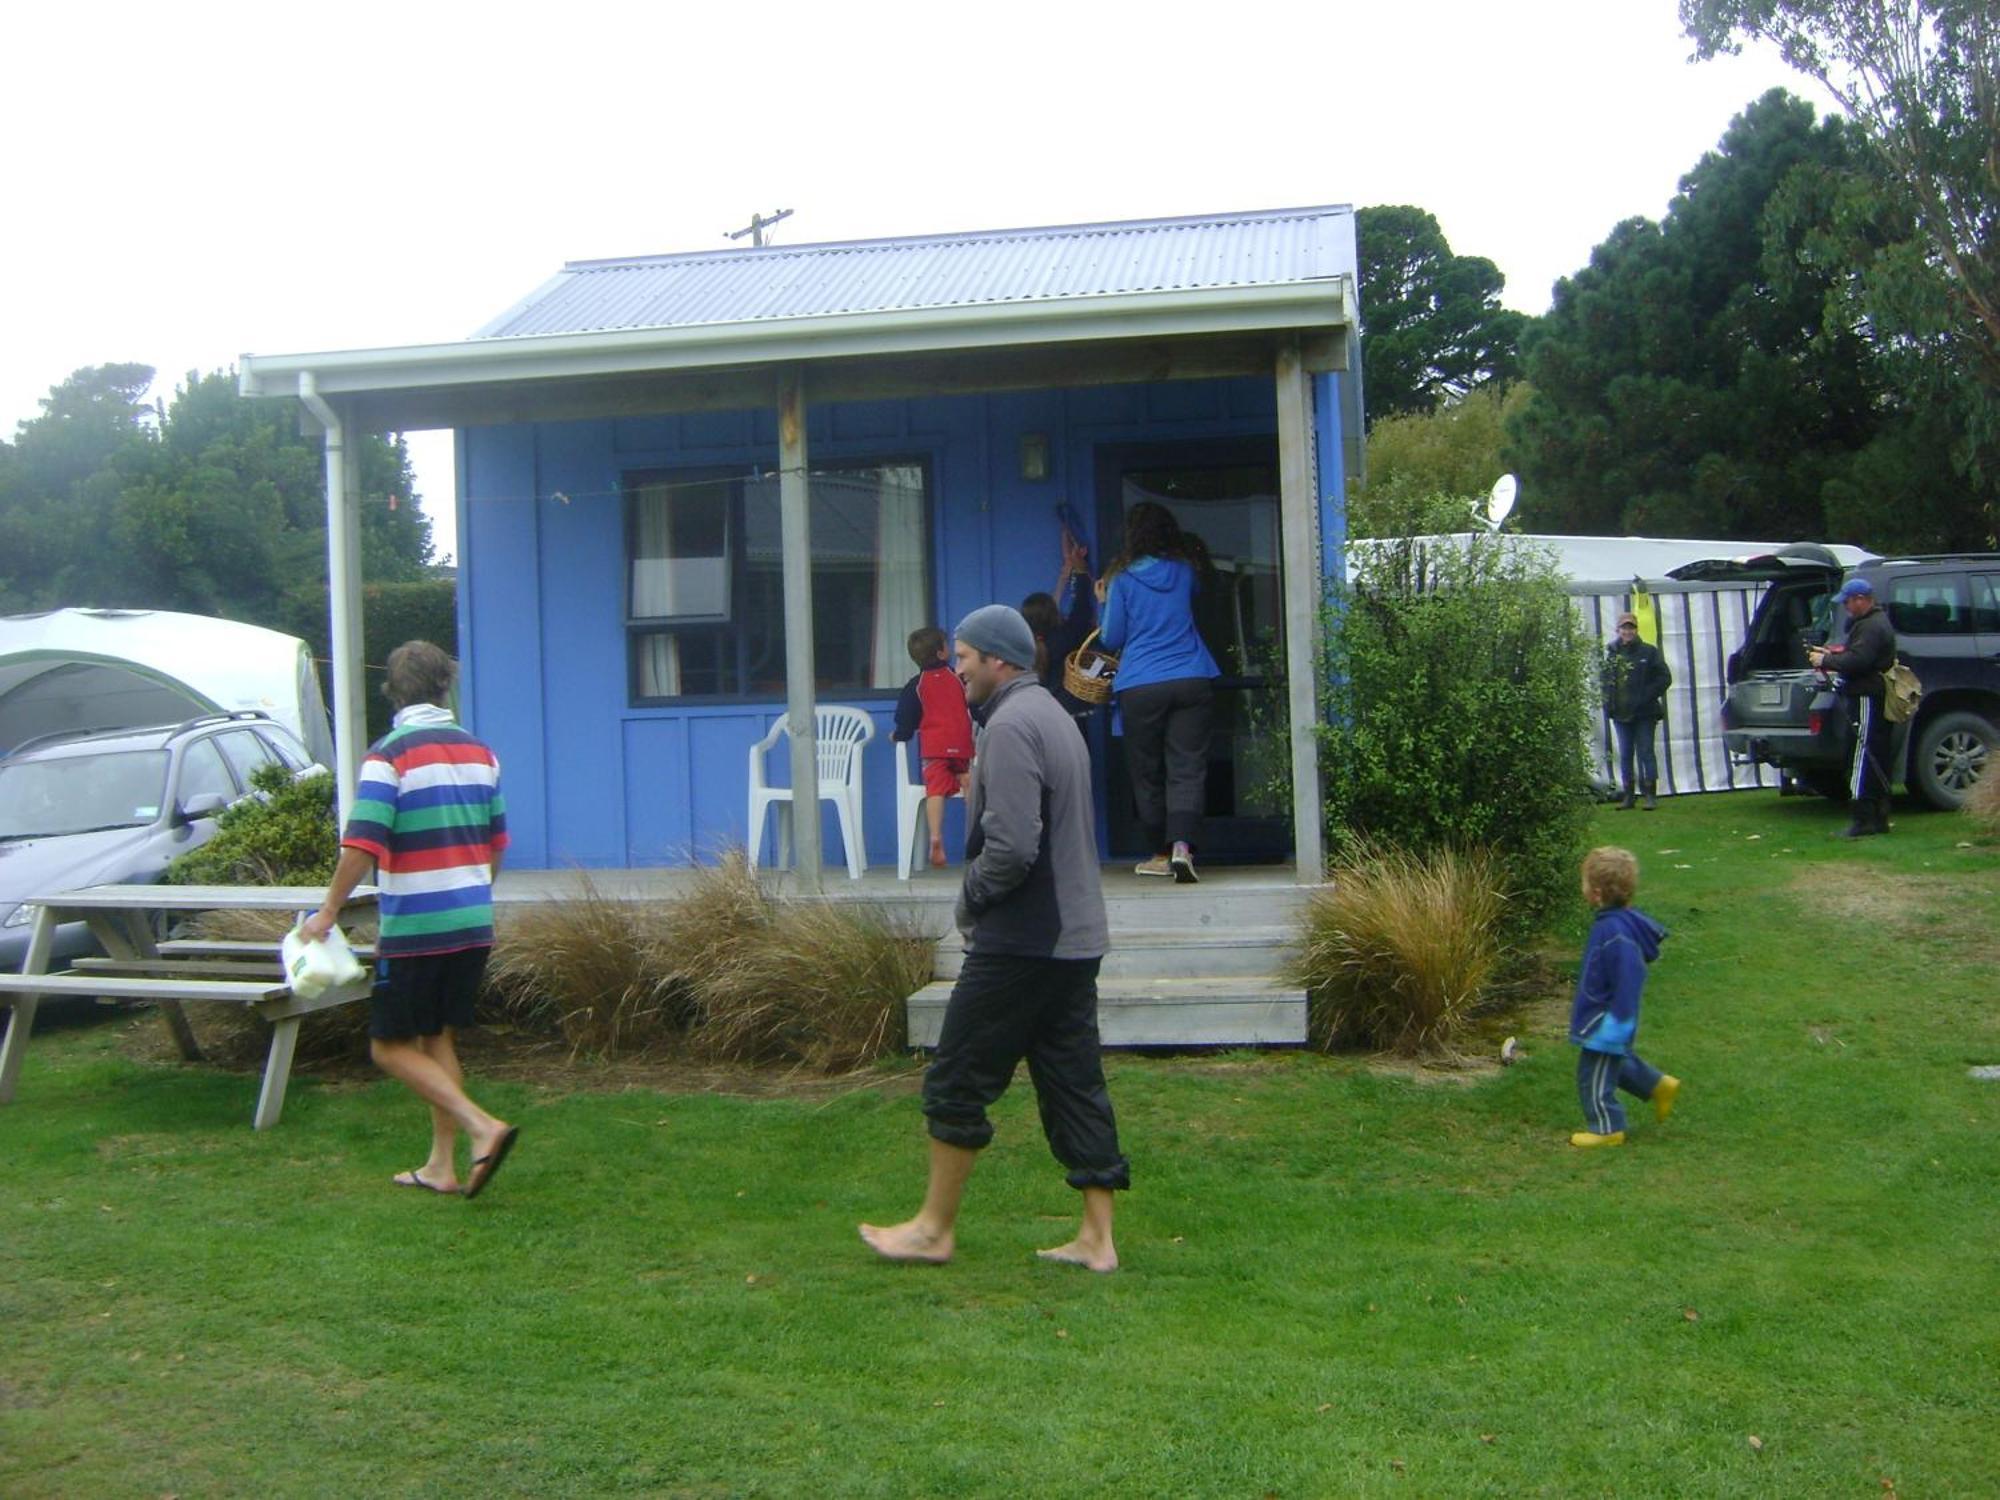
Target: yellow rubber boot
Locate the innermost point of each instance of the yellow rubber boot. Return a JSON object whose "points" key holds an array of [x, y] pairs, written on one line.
{"points": [[1664, 1094], [1585, 1138]]}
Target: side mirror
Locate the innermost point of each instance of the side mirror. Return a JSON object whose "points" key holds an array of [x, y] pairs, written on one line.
{"points": [[204, 805]]}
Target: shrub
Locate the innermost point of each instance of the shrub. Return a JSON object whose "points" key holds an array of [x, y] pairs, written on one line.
{"points": [[1982, 803], [286, 836], [821, 984], [1458, 693], [724, 973], [598, 972], [1400, 949]]}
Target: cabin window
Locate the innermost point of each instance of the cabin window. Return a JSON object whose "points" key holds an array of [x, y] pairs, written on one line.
{"points": [[705, 610]]}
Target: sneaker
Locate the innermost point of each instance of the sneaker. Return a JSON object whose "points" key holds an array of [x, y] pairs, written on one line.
{"points": [[1664, 1093], [1585, 1138], [1157, 865], [1182, 863]]}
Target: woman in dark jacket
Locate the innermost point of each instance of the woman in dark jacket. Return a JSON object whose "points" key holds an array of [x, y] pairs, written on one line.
{"points": [[1636, 679]]}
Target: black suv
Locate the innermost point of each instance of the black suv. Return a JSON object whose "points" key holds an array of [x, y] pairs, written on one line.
{"points": [[1946, 613]]}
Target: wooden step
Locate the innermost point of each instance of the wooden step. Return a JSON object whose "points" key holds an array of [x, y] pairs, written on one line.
{"points": [[1197, 953], [1132, 1012]]}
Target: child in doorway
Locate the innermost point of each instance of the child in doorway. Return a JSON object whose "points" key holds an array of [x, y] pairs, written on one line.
{"points": [[1604, 1021], [933, 710]]}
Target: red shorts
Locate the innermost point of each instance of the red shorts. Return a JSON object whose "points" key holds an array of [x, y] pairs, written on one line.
{"points": [[941, 776]]}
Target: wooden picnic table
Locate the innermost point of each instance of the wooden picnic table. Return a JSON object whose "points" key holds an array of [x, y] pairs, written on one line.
{"points": [[125, 921]]}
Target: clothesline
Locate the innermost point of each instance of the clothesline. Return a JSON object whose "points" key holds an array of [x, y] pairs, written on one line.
{"points": [[569, 497]]}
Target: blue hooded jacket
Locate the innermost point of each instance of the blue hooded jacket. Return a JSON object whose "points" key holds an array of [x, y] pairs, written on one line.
{"points": [[1605, 1017], [1149, 621]]}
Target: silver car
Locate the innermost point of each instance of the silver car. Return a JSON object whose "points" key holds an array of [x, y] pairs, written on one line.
{"points": [[116, 806]]}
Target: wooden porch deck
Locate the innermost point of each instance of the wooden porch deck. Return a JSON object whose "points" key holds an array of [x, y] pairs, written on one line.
{"points": [[1189, 965]]}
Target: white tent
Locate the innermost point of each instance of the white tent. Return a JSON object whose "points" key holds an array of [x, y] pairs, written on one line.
{"points": [[72, 669], [1702, 620]]}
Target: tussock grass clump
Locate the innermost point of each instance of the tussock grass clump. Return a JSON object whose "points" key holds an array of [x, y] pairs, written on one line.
{"points": [[724, 974], [1982, 803], [818, 984], [1400, 950], [599, 973]]}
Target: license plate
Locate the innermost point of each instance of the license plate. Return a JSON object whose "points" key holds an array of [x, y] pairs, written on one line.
{"points": [[1770, 694]]}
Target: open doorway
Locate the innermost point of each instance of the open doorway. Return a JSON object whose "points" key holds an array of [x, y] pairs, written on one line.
{"points": [[1225, 491]]}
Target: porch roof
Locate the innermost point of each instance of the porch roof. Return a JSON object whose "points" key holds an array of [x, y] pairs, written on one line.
{"points": [[1167, 298]]}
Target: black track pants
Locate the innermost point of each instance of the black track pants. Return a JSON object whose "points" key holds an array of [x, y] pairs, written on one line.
{"points": [[1005, 1008], [1166, 751]]}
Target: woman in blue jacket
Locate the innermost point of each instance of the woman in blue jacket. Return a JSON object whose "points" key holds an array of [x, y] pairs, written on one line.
{"points": [[1165, 683]]}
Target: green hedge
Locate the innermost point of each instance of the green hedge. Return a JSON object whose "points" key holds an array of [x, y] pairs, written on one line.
{"points": [[391, 613], [285, 837]]}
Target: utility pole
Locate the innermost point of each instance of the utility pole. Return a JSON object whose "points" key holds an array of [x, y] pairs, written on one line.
{"points": [[758, 224]]}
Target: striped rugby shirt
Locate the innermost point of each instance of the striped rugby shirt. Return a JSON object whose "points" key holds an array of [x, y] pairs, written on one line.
{"points": [[428, 809]]}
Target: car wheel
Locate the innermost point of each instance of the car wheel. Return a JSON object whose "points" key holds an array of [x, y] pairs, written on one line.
{"points": [[1953, 752]]}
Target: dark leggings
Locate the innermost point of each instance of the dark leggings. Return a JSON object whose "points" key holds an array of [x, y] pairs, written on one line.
{"points": [[1166, 752], [1005, 1008]]}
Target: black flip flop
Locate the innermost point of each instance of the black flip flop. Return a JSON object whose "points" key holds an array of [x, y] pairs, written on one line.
{"points": [[410, 1179], [483, 1167]]}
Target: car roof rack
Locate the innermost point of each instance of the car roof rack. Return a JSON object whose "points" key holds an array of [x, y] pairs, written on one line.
{"points": [[240, 715], [1933, 557]]}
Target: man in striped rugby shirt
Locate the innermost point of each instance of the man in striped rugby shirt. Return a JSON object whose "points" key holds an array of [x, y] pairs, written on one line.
{"points": [[429, 821]]}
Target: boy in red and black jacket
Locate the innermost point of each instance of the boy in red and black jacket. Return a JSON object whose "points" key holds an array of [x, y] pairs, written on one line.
{"points": [[933, 710]]}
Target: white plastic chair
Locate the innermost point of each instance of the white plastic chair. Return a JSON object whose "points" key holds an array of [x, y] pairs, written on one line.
{"points": [[840, 732], [914, 837]]}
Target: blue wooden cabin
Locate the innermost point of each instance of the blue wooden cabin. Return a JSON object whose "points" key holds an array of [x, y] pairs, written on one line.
{"points": [[648, 449]]}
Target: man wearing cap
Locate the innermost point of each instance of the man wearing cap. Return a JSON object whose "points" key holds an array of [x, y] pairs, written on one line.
{"points": [[1031, 910], [1635, 682], [1858, 663]]}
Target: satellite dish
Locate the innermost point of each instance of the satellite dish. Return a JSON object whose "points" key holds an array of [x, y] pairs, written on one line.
{"points": [[1500, 503]]}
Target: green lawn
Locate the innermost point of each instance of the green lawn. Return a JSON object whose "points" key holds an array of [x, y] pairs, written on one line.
{"points": [[1339, 1280]]}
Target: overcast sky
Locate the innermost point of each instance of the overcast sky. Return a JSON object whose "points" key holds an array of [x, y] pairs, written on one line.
{"points": [[187, 183]]}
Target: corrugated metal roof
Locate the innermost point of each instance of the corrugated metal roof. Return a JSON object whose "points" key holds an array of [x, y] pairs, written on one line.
{"points": [[1277, 248]]}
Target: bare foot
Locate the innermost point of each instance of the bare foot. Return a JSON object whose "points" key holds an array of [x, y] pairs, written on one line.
{"points": [[908, 1242], [1077, 1253]]}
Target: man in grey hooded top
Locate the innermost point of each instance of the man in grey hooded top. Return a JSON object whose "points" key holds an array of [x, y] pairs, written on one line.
{"points": [[1032, 913]]}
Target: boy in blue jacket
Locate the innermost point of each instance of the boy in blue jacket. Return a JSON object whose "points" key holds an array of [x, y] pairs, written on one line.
{"points": [[1605, 1018]]}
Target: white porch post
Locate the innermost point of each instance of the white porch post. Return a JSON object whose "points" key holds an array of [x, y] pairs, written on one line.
{"points": [[1298, 510], [795, 540], [343, 589]]}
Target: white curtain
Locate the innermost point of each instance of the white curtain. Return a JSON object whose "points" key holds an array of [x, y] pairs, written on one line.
{"points": [[900, 602], [653, 593]]}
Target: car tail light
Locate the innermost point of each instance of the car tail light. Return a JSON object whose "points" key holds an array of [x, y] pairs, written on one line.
{"points": [[1815, 724]]}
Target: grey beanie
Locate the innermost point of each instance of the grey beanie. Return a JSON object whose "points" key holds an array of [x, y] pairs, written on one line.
{"points": [[998, 630]]}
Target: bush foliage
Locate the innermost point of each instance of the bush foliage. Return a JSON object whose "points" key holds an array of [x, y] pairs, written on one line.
{"points": [[286, 836], [722, 974], [1399, 950], [1458, 692], [391, 613]]}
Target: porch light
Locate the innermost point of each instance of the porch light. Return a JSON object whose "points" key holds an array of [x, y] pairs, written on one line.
{"points": [[1034, 455]]}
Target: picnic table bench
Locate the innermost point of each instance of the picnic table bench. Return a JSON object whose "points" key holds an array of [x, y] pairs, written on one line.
{"points": [[140, 967]]}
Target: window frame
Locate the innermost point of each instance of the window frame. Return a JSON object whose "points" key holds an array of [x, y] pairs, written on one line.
{"points": [[1956, 583], [739, 478], [732, 523]]}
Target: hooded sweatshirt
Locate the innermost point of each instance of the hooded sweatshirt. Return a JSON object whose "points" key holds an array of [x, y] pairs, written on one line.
{"points": [[1149, 622], [1605, 1016]]}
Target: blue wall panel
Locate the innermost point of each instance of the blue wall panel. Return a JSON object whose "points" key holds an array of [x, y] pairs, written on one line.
{"points": [[582, 607], [500, 646], [543, 595]]}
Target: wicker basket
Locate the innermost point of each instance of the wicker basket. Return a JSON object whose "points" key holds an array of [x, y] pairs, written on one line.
{"points": [[1087, 672]]}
